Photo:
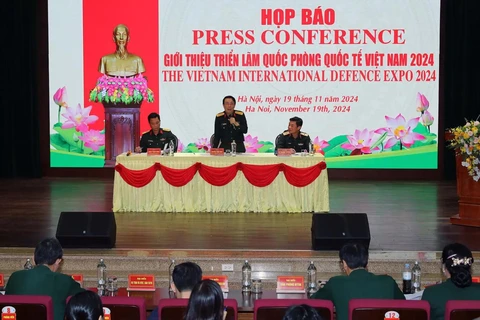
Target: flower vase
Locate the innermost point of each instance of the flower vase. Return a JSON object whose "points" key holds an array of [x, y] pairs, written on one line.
{"points": [[122, 129]]}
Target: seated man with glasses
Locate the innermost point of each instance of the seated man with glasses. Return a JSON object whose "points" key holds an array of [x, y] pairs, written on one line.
{"points": [[43, 279], [358, 283]]}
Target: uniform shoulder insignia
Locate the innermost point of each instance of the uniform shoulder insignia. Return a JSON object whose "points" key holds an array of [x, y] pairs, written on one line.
{"points": [[286, 133], [145, 132], [166, 129], [220, 114], [239, 112], [304, 134]]}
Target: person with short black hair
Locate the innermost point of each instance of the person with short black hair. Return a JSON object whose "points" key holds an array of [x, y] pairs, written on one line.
{"points": [[302, 312], [230, 125], [156, 137], [43, 279], [206, 302], [457, 262], [185, 276], [85, 305], [293, 138], [358, 283]]}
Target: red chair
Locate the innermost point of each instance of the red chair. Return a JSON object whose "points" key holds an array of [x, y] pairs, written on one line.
{"points": [[462, 310], [367, 309], [126, 308], [29, 307], [274, 309], [175, 309]]}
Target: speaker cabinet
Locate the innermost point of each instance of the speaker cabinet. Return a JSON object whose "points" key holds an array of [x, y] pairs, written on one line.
{"points": [[87, 230], [330, 231]]}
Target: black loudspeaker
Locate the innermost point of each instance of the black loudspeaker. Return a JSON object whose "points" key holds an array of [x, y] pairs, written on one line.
{"points": [[87, 230], [330, 231]]}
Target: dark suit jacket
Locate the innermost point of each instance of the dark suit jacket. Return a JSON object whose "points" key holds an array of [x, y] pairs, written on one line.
{"points": [[439, 294], [360, 284], [42, 281]]}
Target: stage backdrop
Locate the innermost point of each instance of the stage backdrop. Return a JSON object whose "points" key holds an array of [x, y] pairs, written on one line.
{"points": [[362, 75]]}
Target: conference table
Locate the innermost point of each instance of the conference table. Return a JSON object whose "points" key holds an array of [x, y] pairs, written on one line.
{"points": [[200, 182]]}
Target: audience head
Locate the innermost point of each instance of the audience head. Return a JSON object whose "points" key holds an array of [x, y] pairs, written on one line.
{"points": [[85, 305], [301, 312], [457, 260], [353, 256], [185, 276], [48, 252], [206, 302]]}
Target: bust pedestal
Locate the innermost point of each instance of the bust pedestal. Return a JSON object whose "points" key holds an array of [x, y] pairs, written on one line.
{"points": [[122, 129], [469, 198]]}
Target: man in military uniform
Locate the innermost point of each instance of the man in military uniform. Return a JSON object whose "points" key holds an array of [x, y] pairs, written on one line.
{"points": [[230, 125], [156, 137], [358, 283], [44, 279], [293, 138]]}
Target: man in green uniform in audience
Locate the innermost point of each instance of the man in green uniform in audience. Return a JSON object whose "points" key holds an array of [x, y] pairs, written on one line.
{"points": [[43, 279], [358, 283]]}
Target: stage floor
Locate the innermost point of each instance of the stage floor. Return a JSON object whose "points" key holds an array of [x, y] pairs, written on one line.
{"points": [[403, 216]]}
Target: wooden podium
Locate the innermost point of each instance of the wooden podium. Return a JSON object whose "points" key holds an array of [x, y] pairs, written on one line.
{"points": [[122, 129], [469, 198]]}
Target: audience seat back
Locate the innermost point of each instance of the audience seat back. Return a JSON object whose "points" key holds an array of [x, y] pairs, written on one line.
{"points": [[126, 308], [462, 310], [367, 309], [175, 309], [274, 309], [29, 306]]}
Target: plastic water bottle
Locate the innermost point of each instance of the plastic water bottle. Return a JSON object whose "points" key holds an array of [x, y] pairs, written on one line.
{"points": [[417, 277], [246, 277], [101, 276], [407, 280], [234, 148], [171, 147], [312, 278], [28, 265], [170, 272], [311, 148]]}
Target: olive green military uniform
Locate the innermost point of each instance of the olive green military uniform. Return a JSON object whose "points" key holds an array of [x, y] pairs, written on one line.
{"points": [[439, 294], [286, 140], [360, 284], [150, 140]]}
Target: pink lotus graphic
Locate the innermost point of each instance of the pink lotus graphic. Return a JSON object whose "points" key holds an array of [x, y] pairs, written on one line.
{"points": [[427, 118], [203, 144], [78, 117], [360, 142], [251, 144], [93, 139], [319, 145], [399, 130], [422, 103], [60, 97]]}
